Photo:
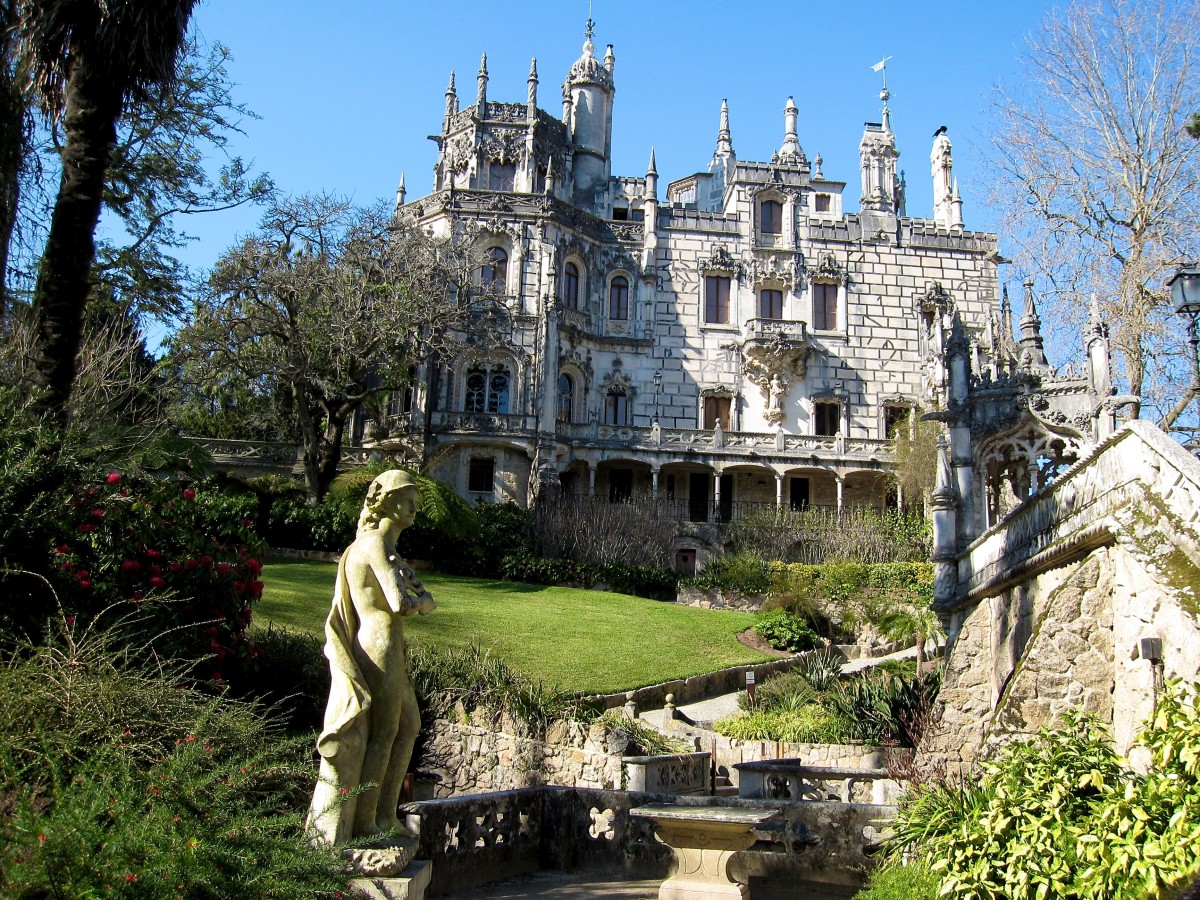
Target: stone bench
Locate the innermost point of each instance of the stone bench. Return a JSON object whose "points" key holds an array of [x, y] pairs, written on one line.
{"points": [[704, 840], [792, 779]]}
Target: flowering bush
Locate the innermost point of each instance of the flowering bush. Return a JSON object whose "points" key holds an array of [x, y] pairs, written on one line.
{"points": [[185, 557]]}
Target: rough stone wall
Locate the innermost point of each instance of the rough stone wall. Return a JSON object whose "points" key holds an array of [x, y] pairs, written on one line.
{"points": [[1056, 599], [472, 760]]}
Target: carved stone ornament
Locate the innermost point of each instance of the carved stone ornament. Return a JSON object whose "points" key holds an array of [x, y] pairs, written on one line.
{"points": [[721, 260], [773, 364], [506, 146], [1022, 461], [779, 268], [474, 228], [935, 299], [828, 269], [618, 380]]}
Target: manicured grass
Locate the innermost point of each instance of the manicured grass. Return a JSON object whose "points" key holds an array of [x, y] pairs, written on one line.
{"points": [[575, 640]]}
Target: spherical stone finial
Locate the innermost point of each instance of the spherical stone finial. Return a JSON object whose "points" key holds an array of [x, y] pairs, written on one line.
{"points": [[885, 95]]}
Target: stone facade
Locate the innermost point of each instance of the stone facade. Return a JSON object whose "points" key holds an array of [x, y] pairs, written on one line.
{"points": [[1052, 608], [744, 341]]}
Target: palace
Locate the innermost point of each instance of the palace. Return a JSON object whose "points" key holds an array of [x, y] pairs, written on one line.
{"points": [[736, 341]]}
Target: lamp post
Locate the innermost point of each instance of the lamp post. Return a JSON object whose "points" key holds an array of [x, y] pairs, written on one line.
{"points": [[1185, 294], [657, 389]]}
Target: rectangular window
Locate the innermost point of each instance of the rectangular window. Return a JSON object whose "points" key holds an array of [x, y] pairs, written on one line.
{"points": [[716, 300], [799, 493], [770, 304], [821, 204], [618, 299], [825, 317], [895, 420], [771, 217], [827, 418], [481, 475], [616, 409], [620, 213], [716, 409]]}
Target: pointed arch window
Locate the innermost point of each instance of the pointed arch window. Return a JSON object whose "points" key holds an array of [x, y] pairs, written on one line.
{"points": [[570, 292], [488, 390], [616, 408], [618, 298], [566, 397]]}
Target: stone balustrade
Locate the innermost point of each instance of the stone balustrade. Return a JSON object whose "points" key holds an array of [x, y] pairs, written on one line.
{"points": [[680, 773], [794, 779]]}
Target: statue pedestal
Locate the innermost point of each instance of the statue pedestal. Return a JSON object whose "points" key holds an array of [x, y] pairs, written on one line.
{"points": [[408, 885], [704, 840]]}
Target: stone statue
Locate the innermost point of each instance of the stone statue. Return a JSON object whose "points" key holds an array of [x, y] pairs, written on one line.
{"points": [[371, 720]]}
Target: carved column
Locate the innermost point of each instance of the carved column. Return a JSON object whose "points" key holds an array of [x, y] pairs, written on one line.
{"points": [[654, 484], [841, 487], [778, 492], [591, 479]]}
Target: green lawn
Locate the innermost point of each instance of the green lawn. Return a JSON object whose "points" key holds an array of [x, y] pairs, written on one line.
{"points": [[575, 640]]}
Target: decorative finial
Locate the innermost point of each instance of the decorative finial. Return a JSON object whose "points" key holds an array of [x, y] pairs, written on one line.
{"points": [[884, 94], [791, 143], [483, 66], [651, 170], [533, 76], [450, 89], [817, 173]]}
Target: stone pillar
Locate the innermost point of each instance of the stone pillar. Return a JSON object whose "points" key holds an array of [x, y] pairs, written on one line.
{"points": [[717, 494], [778, 492], [945, 530], [591, 479], [654, 484], [841, 487]]}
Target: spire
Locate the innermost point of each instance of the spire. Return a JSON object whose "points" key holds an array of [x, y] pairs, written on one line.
{"points": [[791, 144], [956, 217], [451, 102], [941, 168], [400, 192], [481, 97], [610, 59], [531, 101], [650, 169], [724, 140], [1033, 358]]}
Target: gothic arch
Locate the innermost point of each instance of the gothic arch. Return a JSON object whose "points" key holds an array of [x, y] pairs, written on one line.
{"points": [[1023, 460]]}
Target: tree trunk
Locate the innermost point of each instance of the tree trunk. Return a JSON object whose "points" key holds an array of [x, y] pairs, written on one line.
{"points": [[12, 149], [92, 109], [310, 444], [920, 652]]}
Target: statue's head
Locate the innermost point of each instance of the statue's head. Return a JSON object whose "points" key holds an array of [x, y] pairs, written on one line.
{"points": [[385, 485]]}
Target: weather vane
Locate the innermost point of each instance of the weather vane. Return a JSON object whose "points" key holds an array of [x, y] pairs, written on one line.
{"points": [[881, 66]]}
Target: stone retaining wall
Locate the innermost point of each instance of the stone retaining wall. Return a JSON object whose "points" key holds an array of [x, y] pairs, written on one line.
{"points": [[715, 598]]}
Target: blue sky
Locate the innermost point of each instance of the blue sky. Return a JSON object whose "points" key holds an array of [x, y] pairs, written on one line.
{"points": [[348, 91]]}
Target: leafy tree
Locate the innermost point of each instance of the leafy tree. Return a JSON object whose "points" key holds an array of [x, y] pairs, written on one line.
{"points": [[327, 303], [1097, 178], [911, 623], [87, 60]]}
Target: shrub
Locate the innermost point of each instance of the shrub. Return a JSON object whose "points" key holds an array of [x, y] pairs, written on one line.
{"points": [[293, 524], [811, 724], [822, 670], [897, 881], [785, 630], [120, 782], [787, 690], [591, 529], [640, 739], [504, 528], [653, 582], [816, 535], [184, 557], [743, 572], [1062, 816]]}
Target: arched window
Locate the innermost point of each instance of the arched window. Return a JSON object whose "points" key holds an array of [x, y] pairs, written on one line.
{"points": [[770, 304], [616, 408], [570, 291], [487, 390], [566, 397], [494, 273], [618, 298], [770, 217]]}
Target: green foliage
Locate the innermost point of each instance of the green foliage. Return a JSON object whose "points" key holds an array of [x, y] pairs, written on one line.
{"points": [[118, 781], [897, 881], [787, 690], [504, 528], [642, 739], [744, 572], [809, 724], [649, 581], [1061, 816], [821, 670], [784, 630], [292, 523]]}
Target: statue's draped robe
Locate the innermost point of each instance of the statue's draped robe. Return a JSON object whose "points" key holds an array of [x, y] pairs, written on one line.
{"points": [[343, 739]]}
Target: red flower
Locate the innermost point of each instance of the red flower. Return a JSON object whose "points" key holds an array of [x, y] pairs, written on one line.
{"points": [[239, 588], [131, 565], [157, 582], [154, 554], [97, 513], [137, 598], [246, 523], [222, 568], [87, 527], [206, 561], [189, 494], [213, 630], [62, 548], [256, 589], [113, 477], [190, 564], [83, 573], [176, 567], [86, 585], [131, 877]]}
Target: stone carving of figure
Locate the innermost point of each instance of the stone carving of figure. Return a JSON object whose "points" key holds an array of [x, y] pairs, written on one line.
{"points": [[777, 390], [371, 720]]}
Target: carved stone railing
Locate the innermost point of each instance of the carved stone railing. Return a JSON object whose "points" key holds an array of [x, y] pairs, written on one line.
{"points": [[248, 453], [681, 773], [792, 780], [736, 442], [485, 423], [766, 328]]}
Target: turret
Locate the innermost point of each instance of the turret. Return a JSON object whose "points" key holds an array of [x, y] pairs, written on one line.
{"points": [[877, 155], [588, 97], [650, 209], [941, 167], [791, 149], [723, 163], [956, 217]]}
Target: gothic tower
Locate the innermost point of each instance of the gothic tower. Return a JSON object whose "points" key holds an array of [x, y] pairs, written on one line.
{"points": [[587, 101]]}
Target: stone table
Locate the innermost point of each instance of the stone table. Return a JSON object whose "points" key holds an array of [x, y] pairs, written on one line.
{"points": [[704, 839]]}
